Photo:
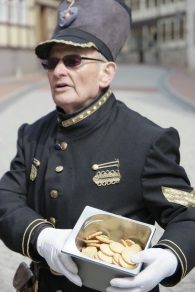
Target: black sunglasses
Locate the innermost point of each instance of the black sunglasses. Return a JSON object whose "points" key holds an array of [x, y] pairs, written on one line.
{"points": [[69, 61]]}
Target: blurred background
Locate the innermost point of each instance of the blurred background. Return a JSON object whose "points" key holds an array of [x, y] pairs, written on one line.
{"points": [[163, 32]]}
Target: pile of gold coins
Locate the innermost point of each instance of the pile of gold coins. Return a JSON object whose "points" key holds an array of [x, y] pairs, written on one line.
{"points": [[101, 247]]}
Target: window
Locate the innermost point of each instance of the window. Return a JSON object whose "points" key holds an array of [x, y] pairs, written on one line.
{"points": [[3, 11], [13, 11], [147, 3], [151, 3], [181, 28], [172, 32], [22, 11], [135, 4], [164, 32]]}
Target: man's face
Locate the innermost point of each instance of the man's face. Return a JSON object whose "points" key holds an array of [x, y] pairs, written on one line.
{"points": [[73, 88]]}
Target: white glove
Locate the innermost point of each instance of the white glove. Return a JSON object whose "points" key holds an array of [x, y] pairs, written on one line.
{"points": [[49, 245], [160, 264]]}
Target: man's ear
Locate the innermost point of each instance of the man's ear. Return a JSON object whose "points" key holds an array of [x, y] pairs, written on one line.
{"points": [[107, 74]]}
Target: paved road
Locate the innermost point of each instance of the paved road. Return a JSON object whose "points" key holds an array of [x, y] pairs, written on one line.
{"points": [[141, 88]]}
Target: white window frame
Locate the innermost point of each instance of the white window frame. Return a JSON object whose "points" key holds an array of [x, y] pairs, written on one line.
{"points": [[23, 11], [13, 11], [3, 11]]}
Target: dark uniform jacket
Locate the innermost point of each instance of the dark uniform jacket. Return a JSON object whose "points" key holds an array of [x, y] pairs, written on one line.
{"points": [[53, 177]]}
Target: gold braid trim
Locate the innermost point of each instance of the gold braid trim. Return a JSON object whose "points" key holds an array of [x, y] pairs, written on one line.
{"points": [[179, 197], [25, 232], [85, 45], [29, 237], [89, 111], [165, 243]]}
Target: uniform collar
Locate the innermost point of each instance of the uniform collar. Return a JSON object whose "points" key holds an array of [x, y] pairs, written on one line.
{"points": [[68, 120]]}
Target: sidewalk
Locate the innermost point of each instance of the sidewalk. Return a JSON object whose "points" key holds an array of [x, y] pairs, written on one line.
{"points": [[13, 85], [181, 84]]}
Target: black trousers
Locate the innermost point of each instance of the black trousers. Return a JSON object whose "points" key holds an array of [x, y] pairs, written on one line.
{"points": [[51, 283]]}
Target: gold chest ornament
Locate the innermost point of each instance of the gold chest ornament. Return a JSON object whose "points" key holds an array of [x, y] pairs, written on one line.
{"points": [[107, 177], [34, 168]]}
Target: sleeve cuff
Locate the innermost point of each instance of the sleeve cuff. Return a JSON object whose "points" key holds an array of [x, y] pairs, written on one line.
{"points": [[30, 238], [181, 271]]}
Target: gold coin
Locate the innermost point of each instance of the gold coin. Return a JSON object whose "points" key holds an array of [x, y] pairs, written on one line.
{"points": [[116, 246], [129, 251], [106, 249], [104, 257], [124, 264], [94, 234]]}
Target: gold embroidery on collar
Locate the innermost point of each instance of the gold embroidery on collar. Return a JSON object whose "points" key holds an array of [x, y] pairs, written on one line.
{"points": [[107, 177], [179, 197], [86, 113]]}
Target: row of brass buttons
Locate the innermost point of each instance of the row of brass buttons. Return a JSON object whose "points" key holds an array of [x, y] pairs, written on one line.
{"points": [[54, 194]]}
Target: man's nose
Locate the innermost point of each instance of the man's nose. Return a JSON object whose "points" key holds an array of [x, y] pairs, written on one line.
{"points": [[60, 68]]}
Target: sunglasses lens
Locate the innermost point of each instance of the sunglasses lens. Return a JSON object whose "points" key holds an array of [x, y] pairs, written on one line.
{"points": [[44, 64], [72, 60], [50, 63], [68, 60]]}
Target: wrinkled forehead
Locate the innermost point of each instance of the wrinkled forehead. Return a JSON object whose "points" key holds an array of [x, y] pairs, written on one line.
{"points": [[63, 49]]}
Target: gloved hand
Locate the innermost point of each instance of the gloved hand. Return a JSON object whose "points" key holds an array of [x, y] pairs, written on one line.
{"points": [[159, 264], [49, 245]]}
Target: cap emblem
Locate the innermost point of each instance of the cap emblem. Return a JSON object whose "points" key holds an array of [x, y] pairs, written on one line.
{"points": [[68, 16]]}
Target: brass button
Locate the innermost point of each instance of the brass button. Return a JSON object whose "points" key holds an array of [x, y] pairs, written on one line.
{"points": [[59, 168], [54, 194], [52, 220], [63, 145]]}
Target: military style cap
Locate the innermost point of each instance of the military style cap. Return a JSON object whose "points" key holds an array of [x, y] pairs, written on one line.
{"points": [[102, 24]]}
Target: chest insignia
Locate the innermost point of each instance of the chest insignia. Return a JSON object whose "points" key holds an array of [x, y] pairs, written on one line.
{"points": [[179, 197], [107, 176], [34, 168]]}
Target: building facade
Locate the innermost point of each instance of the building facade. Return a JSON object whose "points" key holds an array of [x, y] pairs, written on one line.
{"points": [[163, 32], [23, 24]]}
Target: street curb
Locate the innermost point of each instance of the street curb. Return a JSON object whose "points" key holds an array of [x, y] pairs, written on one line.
{"points": [[172, 92], [13, 97]]}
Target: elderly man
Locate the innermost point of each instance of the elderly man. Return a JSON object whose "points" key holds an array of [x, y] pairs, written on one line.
{"points": [[52, 177]]}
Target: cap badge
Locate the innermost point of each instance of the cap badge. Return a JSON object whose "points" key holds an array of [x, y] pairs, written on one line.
{"points": [[68, 16]]}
